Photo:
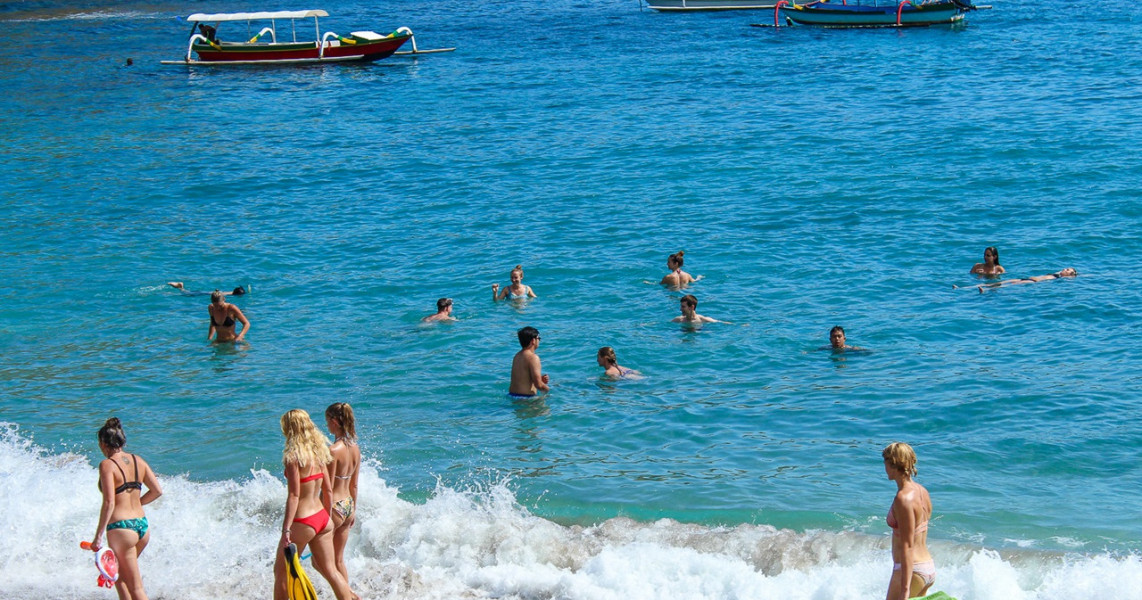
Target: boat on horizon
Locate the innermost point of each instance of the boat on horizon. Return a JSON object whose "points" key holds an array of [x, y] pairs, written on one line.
{"points": [[264, 47], [873, 13], [708, 5]]}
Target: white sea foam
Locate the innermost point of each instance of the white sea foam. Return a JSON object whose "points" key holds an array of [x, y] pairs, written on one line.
{"points": [[215, 539]]}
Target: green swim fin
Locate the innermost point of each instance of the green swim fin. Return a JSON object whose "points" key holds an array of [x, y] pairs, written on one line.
{"points": [[297, 582]]}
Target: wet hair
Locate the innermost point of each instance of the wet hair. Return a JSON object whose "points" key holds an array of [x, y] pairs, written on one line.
{"points": [[607, 353], [527, 335], [304, 443], [675, 258], [835, 329], [443, 303], [343, 414], [518, 269], [216, 297], [1062, 273], [901, 456], [112, 435], [993, 250], [691, 300], [239, 291]]}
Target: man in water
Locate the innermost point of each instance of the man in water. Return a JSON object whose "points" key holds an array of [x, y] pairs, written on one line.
{"points": [[238, 291], [837, 340], [527, 374], [689, 306], [443, 311]]}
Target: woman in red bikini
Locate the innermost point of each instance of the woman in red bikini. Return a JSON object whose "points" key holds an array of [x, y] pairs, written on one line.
{"points": [[307, 512], [913, 570]]}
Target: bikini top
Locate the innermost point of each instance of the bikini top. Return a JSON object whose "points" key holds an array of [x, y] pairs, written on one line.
{"points": [[127, 485], [891, 520], [318, 475], [229, 322]]}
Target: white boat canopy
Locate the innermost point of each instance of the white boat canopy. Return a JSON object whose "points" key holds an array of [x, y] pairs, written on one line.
{"points": [[256, 16]]}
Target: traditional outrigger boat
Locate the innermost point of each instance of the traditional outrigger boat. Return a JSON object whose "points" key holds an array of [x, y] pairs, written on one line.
{"points": [[330, 47], [873, 13], [707, 5]]}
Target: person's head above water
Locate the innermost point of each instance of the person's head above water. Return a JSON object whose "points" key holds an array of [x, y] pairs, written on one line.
{"points": [[443, 304], [900, 456], [238, 291], [689, 301], [674, 261], [342, 414], [527, 335], [837, 337], [1067, 272], [517, 274], [112, 435], [217, 297], [993, 252], [606, 357]]}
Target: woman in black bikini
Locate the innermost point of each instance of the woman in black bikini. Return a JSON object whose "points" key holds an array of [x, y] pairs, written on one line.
{"points": [[306, 458], [122, 513], [222, 317], [346, 465]]}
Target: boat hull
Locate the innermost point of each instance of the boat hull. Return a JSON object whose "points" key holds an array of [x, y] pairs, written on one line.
{"points": [[699, 5], [835, 14], [301, 52]]}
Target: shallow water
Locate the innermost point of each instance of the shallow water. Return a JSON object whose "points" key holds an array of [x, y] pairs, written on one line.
{"points": [[813, 178]]}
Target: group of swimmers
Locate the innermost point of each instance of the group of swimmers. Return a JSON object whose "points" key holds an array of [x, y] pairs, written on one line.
{"points": [[320, 508], [327, 492]]}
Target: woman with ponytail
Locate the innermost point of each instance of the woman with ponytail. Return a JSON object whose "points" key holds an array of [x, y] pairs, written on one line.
{"points": [[121, 480], [345, 467], [676, 278], [307, 520]]}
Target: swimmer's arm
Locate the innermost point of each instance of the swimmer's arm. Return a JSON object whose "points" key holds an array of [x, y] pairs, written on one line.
{"points": [[530, 293], [977, 269], [107, 487], [678, 320], [293, 495], [906, 518], [244, 321], [210, 332], [535, 371]]}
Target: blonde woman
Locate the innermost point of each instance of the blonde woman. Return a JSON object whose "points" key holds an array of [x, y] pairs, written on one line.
{"points": [[516, 291], [307, 519], [344, 469], [913, 570], [121, 480], [222, 318]]}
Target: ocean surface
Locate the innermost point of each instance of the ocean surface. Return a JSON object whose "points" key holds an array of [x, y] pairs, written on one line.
{"points": [[813, 178]]}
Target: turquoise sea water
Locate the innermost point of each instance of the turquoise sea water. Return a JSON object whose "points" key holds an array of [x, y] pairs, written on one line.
{"points": [[813, 178]]}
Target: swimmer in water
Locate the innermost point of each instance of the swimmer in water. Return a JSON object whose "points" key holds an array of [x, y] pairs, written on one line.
{"points": [[913, 570], [837, 341], [676, 278], [527, 373], [443, 311], [222, 318], [516, 291], [1067, 272], [990, 266], [689, 306], [238, 291], [607, 359]]}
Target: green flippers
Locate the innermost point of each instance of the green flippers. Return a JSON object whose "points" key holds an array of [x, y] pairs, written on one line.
{"points": [[935, 596], [297, 582]]}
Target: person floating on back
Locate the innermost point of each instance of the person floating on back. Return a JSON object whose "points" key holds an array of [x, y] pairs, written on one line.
{"points": [[990, 266], [1067, 272], [676, 278], [527, 373], [516, 291], [238, 291], [443, 311], [689, 306]]}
